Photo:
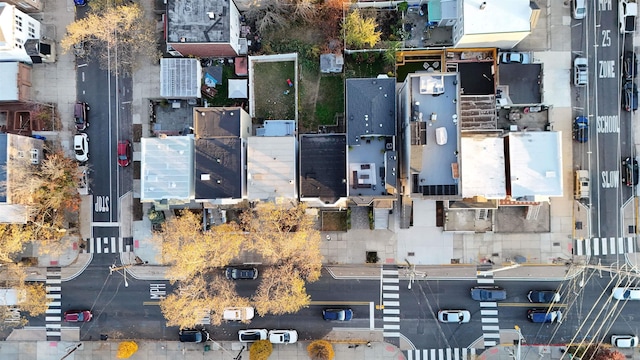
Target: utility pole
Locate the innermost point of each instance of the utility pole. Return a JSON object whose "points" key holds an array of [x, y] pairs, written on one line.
{"points": [[413, 273], [117, 269], [519, 341], [490, 272]]}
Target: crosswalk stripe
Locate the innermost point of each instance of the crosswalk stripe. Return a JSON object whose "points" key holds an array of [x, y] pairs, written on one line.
{"points": [[53, 281], [490, 328], [489, 343], [53, 311], [492, 336], [391, 334], [54, 304], [53, 296], [391, 318], [389, 272], [390, 295], [390, 303], [391, 311], [488, 304], [390, 327], [485, 312], [391, 280], [604, 246], [53, 288], [489, 320], [485, 281], [390, 288], [53, 326]]}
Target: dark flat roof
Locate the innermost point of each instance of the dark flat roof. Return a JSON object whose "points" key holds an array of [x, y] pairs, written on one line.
{"points": [[323, 166], [198, 21], [371, 108], [220, 160], [523, 81], [216, 122]]}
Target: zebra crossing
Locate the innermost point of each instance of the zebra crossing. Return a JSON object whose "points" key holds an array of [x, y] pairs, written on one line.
{"points": [[442, 354], [108, 245], [488, 309], [390, 303], [53, 317], [604, 246]]}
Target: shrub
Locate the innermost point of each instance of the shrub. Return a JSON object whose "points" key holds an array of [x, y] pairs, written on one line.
{"points": [[260, 350], [321, 350], [126, 349]]}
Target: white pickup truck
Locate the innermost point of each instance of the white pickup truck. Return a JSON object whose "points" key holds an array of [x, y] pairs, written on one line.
{"points": [[628, 12]]}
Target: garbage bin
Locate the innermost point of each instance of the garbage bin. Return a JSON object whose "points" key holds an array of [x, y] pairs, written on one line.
{"points": [[207, 347]]}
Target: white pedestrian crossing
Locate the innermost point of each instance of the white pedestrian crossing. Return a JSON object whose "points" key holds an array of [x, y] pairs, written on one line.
{"points": [[108, 245], [53, 319], [390, 303], [604, 246], [442, 354], [488, 309]]}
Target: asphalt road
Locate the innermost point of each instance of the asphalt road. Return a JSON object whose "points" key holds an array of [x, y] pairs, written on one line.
{"points": [[611, 141]]}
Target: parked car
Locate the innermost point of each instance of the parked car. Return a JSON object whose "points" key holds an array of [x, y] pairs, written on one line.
{"points": [[544, 316], [630, 65], [193, 335], [283, 336], [629, 172], [488, 293], [627, 11], [80, 2], [630, 96], [124, 153], [337, 314], [579, 9], [238, 313], [81, 147], [454, 316], [80, 115], [78, 316], [514, 57], [624, 341], [581, 129], [580, 71], [241, 273], [543, 296], [621, 293], [251, 335]]}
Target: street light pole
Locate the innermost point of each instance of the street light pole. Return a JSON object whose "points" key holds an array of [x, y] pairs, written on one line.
{"points": [[519, 341], [413, 272], [117, 269]]}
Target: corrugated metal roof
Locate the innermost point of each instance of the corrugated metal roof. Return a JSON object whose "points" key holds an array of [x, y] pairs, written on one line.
{"points": [[180, 78], [167, 168]]}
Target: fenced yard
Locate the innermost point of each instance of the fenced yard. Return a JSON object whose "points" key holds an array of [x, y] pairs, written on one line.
{"points": [[273, 98]]}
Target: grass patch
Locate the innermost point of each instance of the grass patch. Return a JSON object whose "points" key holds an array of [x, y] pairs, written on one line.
{"points": [[221, 98], [274, 99], [330, 99], [334, 221], [409, 68], [364, 65]]}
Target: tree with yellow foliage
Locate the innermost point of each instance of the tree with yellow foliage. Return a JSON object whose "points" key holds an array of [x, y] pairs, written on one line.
{"points": [[32, 298], [198, 297], [359, 32], [321, 350], [281, 291], [126, 349], [260, 350], [192, 251], [118, 36]]}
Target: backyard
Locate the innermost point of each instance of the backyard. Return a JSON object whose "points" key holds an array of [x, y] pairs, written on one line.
{"points": [[274, 97]]}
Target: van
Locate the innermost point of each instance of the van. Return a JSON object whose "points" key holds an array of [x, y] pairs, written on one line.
{"points": [[488, 293], [582, 185], [621, 293], [579, 9], [238, 313], [544, 316]]}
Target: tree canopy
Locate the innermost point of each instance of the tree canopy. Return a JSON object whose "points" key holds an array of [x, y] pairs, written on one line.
{"points": [[119, 36], [359, 31]]}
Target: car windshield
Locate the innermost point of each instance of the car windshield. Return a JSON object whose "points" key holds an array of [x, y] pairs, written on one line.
{"points": [[122, 157], [285, 337], [79, 151]]}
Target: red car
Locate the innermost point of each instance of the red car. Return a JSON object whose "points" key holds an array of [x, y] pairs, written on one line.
{"points": [[124, 152], [77, 316]]}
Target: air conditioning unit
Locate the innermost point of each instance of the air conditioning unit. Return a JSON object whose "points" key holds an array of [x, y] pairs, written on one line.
{"points": [[35, 156]]}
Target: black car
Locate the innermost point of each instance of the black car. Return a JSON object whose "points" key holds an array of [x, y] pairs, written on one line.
{"points": [[630, 96], [630, 172], [193, 335], [630, 65], [543, 296], [241, 273], [80, 115]]}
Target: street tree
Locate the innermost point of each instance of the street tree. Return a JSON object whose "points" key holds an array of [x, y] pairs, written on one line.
{"points": [[321, 350], [359, 31], [13, 238], [281, 291], [117, 36], [607, 354], [200, 296], [285, 235], [31, 298], [260, 350], [192, 251]]}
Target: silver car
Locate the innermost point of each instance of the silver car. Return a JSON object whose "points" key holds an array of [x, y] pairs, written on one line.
{"points": [[454, 316]]}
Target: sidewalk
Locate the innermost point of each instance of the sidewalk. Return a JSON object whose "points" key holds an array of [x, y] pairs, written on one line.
{"points": [[157, 350]]}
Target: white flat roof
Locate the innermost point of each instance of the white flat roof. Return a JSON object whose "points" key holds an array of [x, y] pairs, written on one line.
{"points": [[167, 168], [498, 16], [535, 161], [271, 167], [482, 167]]}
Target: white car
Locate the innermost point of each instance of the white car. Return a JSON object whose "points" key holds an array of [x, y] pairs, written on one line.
{"points": [[624, 341], [514, 58], [81, 147], [627, 11], [251, 335], [283, 336], [580, 71], [454, 316], [621, 293], [579, 9]]}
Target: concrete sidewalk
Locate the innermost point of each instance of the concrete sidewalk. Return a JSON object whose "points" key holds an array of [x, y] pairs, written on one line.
{"points": [[160, 350]]}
